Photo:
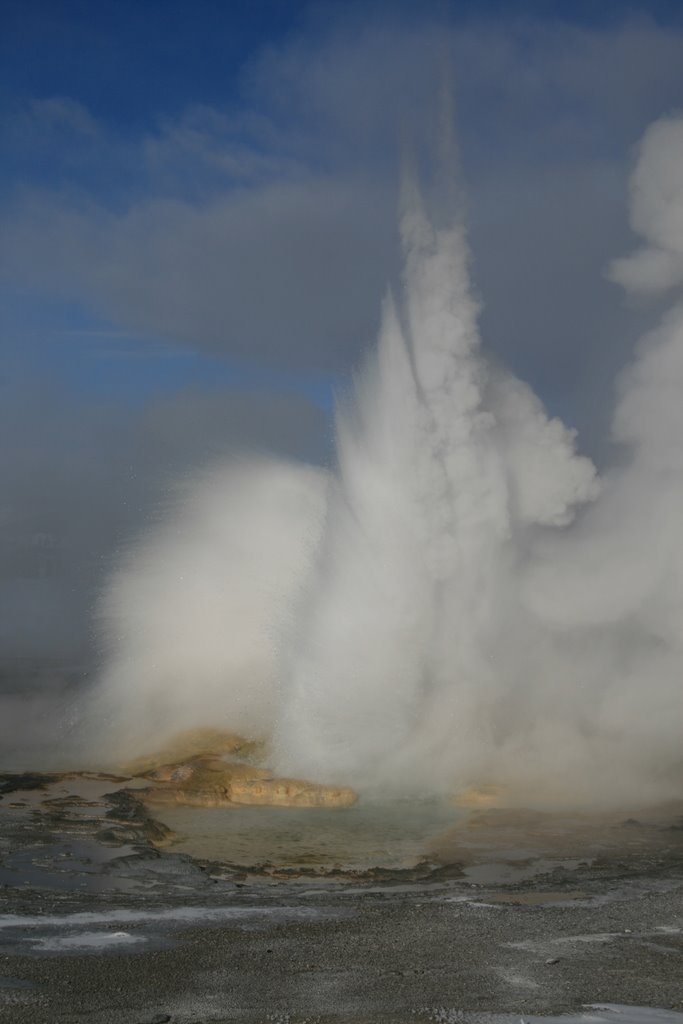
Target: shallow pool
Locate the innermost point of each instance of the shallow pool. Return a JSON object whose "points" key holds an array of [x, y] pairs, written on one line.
{"points": [[388, 835]]}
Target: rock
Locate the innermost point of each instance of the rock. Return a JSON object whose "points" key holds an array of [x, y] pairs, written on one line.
{"points": [[213, 782], [118, 836], [210, 768], [174, 868], [275, 792], [481, 797], [126, 808], [13, 782], [200, 782], [193, 743]]}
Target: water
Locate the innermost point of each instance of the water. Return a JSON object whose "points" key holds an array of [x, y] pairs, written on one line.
{"points": [[389, 835]]}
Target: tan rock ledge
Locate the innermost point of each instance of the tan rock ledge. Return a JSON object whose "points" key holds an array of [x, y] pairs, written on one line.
{"points": [[213, 782], [482, 797], [192, 743], [210, 768]]}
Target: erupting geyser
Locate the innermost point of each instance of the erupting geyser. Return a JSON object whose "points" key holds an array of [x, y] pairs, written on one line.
{"points": [[434, 613]]}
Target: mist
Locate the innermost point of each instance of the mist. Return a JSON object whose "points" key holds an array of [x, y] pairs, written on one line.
{"points": [[80, 481], [188, 273], [462, 599]]}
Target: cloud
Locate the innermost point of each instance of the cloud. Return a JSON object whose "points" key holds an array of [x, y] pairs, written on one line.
{"points": [[222, 149], [266, 230], [257, 276], [656, 212]]}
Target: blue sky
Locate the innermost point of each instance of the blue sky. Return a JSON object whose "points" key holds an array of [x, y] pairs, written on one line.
{"points": [[197, 213], [129, 68], [128, 64], [131, 61]]}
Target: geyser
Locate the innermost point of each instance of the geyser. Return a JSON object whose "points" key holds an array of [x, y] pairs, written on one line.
{"points": [[462, 600]]}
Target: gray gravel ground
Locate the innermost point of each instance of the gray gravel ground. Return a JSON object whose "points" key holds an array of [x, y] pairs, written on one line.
{"points": [[143, 938], [375, 956]]}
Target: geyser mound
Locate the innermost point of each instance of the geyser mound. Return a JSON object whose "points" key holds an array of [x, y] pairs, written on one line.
{"points": [[433, 614], [211, 768]]}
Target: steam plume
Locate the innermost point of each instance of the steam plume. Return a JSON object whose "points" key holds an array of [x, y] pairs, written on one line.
{"points": [[461, 600], [195, 615]]}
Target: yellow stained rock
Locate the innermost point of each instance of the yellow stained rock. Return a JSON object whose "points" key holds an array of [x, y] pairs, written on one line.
{"points": [[193, 769], [275, 792], [191, 744], [200, 781], [481, 797], [214, 782]]}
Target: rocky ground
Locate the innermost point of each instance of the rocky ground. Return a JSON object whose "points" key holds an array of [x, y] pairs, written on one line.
{"points": [[102, 922]]}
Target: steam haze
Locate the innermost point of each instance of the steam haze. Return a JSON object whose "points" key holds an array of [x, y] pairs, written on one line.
{"points": [[435, 615], [199, 285]]}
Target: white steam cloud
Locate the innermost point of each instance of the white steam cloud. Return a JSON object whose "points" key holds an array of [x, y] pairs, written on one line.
{"points": [[462, 601], [196, 614], [656, 211]]}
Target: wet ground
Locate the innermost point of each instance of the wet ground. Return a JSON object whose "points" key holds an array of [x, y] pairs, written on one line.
{"points": [[498, 916]]}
